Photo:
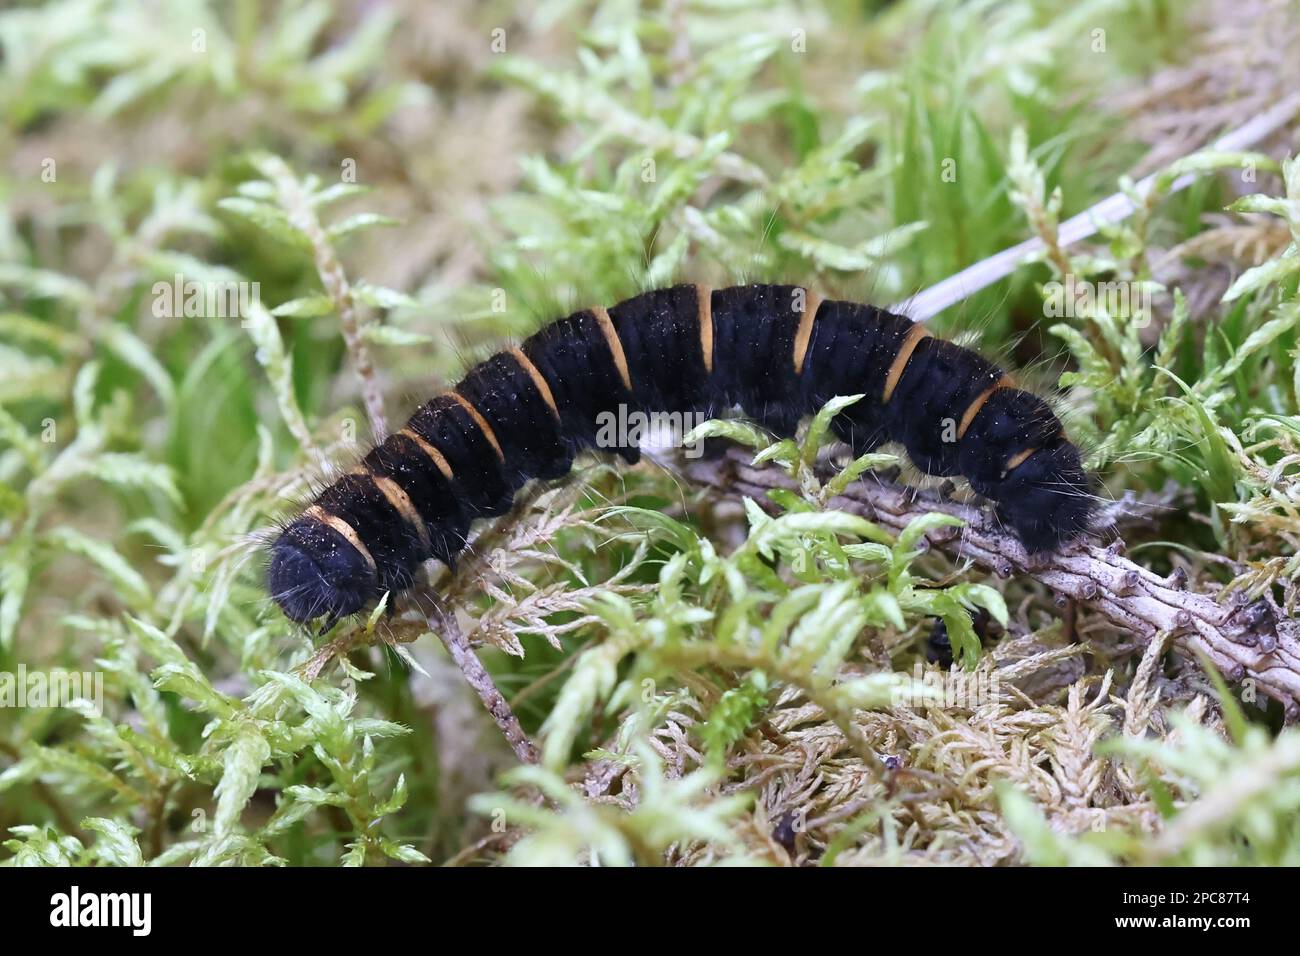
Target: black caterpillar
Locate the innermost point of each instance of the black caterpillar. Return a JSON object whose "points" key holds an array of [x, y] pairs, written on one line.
{"points": [[778, 352]]}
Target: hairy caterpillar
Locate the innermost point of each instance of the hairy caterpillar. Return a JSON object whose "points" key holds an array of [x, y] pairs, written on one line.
{"points": [[778, 352]]}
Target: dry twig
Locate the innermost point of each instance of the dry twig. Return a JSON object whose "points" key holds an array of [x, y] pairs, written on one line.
{"points": [[444, 624], [303, 216], [1246, 642]]}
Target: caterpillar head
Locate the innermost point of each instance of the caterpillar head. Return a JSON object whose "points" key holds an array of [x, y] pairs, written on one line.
{"points": [[1046, 498], [315, 570]]}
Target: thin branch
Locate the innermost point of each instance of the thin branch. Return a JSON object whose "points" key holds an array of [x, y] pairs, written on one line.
{"points": [[1251, 643], [1114, 208], [298, 207], [444, 624]]}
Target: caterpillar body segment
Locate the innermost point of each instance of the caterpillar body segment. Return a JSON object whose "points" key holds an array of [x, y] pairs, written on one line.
{"points": [[660, 337], [574, 357], [851, 351], [777, 352], [942, 382]]}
